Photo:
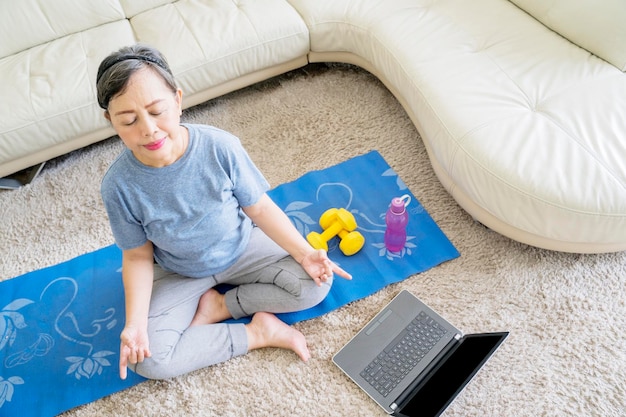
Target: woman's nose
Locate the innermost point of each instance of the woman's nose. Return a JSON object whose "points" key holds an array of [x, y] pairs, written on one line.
{"points": [[148, 127]]}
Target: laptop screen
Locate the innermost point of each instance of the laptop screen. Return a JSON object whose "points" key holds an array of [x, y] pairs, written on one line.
{"points": [[435, 393]]}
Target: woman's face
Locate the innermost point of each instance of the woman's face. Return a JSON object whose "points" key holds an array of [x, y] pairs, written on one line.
{"points": [[147, 119]]}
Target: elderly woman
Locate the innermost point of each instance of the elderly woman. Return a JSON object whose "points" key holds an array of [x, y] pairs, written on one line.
{"points": [[189, 210]]}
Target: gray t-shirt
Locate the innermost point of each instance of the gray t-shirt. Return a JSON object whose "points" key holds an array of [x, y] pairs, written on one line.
{"points": [[190, 210]]}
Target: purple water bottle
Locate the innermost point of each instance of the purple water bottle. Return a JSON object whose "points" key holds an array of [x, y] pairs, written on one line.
{"points": [[396, 219]]}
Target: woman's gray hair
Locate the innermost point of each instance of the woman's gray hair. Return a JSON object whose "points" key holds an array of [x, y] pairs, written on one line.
{"points": [[116, 69]]}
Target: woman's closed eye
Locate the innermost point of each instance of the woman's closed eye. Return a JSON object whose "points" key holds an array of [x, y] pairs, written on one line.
{"points": [[131, 122]]}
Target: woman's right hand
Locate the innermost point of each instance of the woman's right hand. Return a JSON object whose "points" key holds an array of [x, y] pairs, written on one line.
{"points": [[134, 348]]}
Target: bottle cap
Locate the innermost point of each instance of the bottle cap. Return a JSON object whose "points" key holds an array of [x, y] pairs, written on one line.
{"points": [[399, 203]]}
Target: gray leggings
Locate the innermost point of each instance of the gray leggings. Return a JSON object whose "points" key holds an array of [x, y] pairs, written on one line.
{"points": [[266, 278]]}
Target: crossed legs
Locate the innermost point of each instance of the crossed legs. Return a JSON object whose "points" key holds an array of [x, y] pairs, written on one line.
{"points": [[265, 329], [185, 321]]}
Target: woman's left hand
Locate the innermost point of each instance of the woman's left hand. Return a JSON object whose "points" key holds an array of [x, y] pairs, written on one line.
{"points": [[320, 268]]}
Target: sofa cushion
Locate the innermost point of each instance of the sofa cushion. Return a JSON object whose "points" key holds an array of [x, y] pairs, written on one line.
{"points": [[28, 23], [597, 26], [134, 7], [51, 96], [223, 39], [522, 128]]}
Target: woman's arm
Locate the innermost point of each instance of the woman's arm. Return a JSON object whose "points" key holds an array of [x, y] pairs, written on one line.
{"points": [[275, 223], [137, 274]]}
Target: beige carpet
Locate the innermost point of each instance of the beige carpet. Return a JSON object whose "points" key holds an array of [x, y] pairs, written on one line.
{"points": [[566, 313]]}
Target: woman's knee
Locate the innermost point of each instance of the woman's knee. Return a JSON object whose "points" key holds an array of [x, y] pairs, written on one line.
{"points": [[163, 341], [313, 294], [152, 368], [292, 278]]}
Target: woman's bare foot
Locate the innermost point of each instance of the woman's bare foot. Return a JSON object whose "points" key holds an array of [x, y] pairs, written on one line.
{"points": [[211, 309], [267, 330]]}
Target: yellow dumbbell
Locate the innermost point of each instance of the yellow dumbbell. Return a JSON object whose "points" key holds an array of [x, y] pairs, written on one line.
{"points": [[351, 240], [338, 222]]}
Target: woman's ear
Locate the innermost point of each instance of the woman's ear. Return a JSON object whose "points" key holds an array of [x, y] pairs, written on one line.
{"points": [[107, 115], [179, 100]]}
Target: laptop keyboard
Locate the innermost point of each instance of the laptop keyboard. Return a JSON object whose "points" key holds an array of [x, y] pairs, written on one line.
{"points": [[404, 352]]}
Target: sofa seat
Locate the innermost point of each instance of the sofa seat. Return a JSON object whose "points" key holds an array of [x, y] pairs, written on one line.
{"points": [[53, 50], [525, 129], [48, 108]]}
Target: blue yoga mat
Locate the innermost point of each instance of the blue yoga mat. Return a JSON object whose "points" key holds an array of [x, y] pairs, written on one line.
{"points": [[60, 326], [59, 335]]}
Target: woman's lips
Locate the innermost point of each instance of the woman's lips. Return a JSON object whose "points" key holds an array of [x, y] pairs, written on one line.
{"points": [[153, 146]]}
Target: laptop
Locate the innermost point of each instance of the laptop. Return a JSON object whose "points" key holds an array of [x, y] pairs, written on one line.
{"points": [[411, 361]]}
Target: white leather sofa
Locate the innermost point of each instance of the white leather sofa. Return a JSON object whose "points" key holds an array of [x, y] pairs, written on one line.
{"points": [[521, 103]]}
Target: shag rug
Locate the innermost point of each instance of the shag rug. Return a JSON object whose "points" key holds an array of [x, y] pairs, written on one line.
{"points": [[566, 353]]}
